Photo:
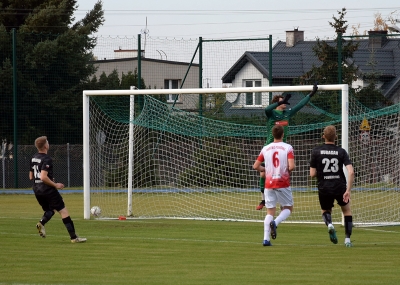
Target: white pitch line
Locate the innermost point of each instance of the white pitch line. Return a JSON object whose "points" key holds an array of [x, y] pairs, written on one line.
{"points": [[377, 230], [327, 244]]}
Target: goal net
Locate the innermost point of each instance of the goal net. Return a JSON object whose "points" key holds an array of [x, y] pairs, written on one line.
{"points": [[154, 160]]}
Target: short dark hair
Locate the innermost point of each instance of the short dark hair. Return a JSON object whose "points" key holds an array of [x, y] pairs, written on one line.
{"points": [[276, 98], [40, 142], [277, 132]]}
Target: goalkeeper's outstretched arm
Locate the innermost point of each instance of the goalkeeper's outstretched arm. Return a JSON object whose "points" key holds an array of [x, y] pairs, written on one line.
{"points": [[270, 108], [305, 100]]}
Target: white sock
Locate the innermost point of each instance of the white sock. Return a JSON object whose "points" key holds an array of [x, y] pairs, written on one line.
{"points": [[268, 219], [262, 196], [330, 226], [347, 240], [284, 214]]}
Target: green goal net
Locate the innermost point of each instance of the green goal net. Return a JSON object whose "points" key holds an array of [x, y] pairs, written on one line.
{"points": [[157, 161]]}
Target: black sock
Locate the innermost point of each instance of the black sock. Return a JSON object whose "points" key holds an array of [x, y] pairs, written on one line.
{"points": [[69, 224], [262, 184], [327, 218], [46, 217], [348, 225]]}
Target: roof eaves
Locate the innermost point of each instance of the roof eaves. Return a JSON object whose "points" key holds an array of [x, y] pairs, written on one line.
{"points": [[230, 74]]}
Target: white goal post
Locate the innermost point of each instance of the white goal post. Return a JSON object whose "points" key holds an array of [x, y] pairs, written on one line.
{"points": [[87, 141], [164, 162]]}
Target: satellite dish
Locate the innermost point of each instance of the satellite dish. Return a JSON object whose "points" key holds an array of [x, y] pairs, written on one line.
{"points": [[231, 97], [394, 28]]}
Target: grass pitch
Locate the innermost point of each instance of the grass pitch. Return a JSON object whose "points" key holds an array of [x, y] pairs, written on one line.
{"points": [[166, 251]]}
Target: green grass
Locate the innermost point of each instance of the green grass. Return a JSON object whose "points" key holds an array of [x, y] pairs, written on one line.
{"points": [[168, 251]]}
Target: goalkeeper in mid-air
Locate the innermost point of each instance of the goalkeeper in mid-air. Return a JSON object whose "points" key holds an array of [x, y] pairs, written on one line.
{"points": [[278, 114]]}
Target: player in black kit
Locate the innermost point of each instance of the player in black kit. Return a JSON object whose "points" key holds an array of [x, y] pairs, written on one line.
{"points": [[45, 189], [326, 164]]}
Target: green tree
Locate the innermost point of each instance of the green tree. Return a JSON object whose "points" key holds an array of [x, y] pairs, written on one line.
{"points": [[327, 53], [327, 71], [110, 82], [54, 54], [131, 79]]}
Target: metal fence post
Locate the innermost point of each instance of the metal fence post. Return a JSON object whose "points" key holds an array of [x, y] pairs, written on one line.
{"points": [[14, 47], [68, 167]]}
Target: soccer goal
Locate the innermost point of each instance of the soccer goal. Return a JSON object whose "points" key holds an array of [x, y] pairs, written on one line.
{"points": [[154, 160]]}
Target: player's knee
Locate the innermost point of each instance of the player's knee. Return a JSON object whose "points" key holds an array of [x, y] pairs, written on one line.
{"points": [[346, 212], [64, 213], [49, 214], [290, 208]]}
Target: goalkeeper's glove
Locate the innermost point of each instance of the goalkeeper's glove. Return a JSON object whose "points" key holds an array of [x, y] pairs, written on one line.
{"points": [[314, 90], [285, 100]]}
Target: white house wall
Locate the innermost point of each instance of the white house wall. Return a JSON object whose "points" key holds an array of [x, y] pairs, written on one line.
{"points": [[249, 72], [154, 73]]}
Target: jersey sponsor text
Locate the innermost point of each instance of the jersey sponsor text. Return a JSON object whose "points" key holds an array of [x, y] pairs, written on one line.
{"points": [[276, 147], [330, 152], [332, 177], [282, 123]]}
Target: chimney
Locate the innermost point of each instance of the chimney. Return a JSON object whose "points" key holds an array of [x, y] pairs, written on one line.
{"points": [[377, 39], [293, 37]]}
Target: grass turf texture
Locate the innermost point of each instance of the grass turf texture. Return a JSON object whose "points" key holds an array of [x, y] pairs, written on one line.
{"points": [[168, 251]]}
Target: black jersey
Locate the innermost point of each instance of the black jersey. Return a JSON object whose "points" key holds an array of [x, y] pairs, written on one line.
{"points": [[328, 160], [39, 162]]}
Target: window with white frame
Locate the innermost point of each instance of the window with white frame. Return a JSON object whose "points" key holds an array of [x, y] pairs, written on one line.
{"points": [[171, 84], [253, 98]]}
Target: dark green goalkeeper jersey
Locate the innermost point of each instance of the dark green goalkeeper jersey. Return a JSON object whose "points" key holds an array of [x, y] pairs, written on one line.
{"points": [[276, 117]]}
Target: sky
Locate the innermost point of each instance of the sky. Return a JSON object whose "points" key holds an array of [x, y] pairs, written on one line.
{"points": [[228, 19]]}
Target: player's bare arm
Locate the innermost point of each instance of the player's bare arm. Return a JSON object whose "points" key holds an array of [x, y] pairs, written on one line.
{"points": [[350, 180], [291, 164], [257, 166], [313, 172], [48, 181]]}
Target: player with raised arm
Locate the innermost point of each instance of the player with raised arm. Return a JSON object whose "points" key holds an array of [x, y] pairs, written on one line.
{"points": [[278, 114], [45, 189], [326, 164], [278, 157]]}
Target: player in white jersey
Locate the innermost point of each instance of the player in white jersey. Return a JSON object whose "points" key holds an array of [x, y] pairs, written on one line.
{"points": [[278, 157]]}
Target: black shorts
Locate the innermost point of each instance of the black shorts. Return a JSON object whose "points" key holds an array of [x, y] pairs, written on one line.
{"points": [[51, 201], [327, 200]]}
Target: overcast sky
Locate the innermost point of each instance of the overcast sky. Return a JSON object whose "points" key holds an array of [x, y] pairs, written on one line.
{"points": [[225, 19]]}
